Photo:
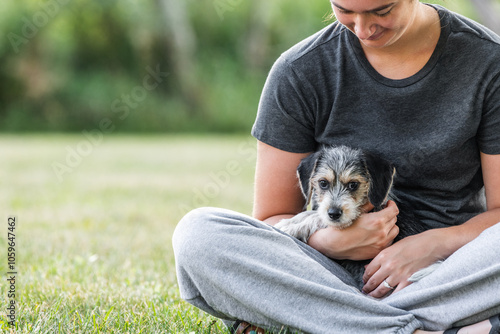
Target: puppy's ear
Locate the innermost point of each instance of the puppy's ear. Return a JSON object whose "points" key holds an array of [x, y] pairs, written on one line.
{"points": [[305, 171], [381, 179]]}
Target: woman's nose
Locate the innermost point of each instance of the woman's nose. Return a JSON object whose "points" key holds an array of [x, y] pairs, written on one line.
{"points": [[363, 28]]}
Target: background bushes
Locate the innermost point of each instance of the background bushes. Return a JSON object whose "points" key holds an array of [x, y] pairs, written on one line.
{"points": [[66, 65]]}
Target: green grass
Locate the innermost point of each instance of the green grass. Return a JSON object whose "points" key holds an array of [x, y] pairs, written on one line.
{"points": [[93, 236]]}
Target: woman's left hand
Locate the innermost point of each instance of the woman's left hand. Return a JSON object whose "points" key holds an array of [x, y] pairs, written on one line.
{"points": [[397, 263]]}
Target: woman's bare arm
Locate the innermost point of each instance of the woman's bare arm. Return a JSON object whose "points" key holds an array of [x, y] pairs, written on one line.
{"points": [[277, 194]]}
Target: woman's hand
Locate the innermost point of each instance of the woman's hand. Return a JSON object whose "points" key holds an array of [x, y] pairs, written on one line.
{"points": [[398, 262], [366, 238]]}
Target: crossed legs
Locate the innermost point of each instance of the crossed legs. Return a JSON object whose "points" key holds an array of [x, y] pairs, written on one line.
{"points": [[235, 267]]}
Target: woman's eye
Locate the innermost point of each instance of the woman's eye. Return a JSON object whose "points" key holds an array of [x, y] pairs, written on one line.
{"points": [[352, 186], [323, 184], [345, 12], [382, 13]]}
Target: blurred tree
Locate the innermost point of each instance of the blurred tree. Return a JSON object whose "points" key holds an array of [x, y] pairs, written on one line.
{"points": [[489, 12], [182, 47], [256, 47], [67, 65]]}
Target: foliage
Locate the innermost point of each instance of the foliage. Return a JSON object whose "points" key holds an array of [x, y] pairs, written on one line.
{"points": [[67, 65]]}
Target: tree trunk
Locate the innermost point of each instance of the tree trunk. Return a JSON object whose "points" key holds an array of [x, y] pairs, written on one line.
{"points": [[256, 46], [182, 39]]}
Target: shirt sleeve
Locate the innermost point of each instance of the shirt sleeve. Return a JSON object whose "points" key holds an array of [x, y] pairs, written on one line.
{"points": [[489, 128], [285, 115]]}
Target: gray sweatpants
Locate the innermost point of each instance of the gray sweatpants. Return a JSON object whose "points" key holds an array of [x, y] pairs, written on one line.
{"points": [[236, 267]]}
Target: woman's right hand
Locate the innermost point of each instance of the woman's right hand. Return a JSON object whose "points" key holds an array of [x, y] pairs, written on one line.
{"points": [[371, 233]]}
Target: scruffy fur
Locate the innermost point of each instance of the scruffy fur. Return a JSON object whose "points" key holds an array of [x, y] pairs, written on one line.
{"points": [[337, 181]]}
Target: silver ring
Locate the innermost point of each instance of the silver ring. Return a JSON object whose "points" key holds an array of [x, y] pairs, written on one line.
{"points": [[387, 285]]}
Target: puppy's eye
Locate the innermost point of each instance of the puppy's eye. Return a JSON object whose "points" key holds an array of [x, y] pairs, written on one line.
{"points": [[324, 184], [353, 186]]}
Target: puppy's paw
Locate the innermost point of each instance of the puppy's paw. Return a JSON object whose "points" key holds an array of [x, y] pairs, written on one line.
{"points": [[297, 219], [301, 226]]}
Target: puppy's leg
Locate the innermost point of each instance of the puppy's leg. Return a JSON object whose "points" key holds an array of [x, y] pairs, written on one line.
{"points": [[302, 226]]}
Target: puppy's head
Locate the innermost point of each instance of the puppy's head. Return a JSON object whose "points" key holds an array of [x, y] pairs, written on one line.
{"points": [[338, 180]]}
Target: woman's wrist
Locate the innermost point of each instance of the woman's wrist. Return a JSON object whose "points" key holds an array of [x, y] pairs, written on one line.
{"points": [[317, 241], [328, 242], [446, 241]]}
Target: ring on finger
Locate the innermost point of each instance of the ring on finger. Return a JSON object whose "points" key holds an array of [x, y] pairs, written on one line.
{"points": [[387, 285]]}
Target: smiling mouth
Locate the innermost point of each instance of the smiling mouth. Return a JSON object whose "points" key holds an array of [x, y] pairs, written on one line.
{"points": [[375, 36]]}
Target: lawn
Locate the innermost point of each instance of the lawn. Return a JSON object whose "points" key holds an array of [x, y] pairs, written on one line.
{"points": [[94, 220]]}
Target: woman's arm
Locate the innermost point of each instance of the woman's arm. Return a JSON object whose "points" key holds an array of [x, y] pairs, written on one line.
{"points": [[398, 262], [277, 194], [491, 177]]}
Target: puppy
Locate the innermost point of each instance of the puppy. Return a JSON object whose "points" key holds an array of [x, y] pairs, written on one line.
{"points": [[337, 181]]}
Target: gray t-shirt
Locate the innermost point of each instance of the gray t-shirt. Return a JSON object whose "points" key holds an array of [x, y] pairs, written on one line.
{"points": [[432, 125]]}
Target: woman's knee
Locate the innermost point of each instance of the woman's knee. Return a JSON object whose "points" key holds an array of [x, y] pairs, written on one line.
{"points": [[206, 235], [193, 229], [204, 231]]}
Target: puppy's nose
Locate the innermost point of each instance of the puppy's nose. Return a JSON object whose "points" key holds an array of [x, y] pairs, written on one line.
{"points": [[334, 213]]}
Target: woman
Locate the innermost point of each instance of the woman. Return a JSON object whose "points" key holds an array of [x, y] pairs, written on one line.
{"points": [[416, 84]]}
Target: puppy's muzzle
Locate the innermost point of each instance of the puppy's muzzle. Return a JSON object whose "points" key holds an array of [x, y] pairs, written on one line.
{"points": [[335, 213]]}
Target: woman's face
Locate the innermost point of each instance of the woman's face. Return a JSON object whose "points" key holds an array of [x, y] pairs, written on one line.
{"points": [[377, 23]]}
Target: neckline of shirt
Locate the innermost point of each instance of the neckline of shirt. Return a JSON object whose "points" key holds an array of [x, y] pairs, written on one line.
{"points": [[422, 73]]}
